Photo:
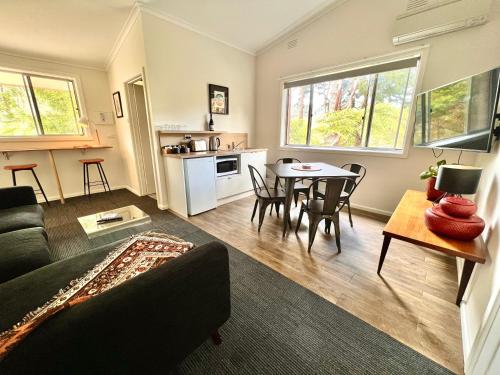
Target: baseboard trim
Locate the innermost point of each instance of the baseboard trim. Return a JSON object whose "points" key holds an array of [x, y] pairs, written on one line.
{"points": [[233, 198], [96, 190], [370, 210]]}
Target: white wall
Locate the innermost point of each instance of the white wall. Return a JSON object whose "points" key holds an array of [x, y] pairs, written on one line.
{"points": [[180, 64], [351, 32], [127, 63], [482, 299], [96, 98]]}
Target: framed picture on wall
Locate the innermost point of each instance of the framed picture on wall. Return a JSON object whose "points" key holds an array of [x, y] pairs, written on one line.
{"points": [[218, 99], [117, 101]]}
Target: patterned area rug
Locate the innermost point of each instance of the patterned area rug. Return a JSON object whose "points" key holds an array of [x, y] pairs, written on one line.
{"points": [[276, 325]]}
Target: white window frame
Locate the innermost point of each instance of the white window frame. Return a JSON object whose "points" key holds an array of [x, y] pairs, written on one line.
{"points": [[87, 134], [421, 52]]}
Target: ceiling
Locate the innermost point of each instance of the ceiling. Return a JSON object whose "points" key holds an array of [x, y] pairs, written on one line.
{"points": [[84, 31], [75, 31], [246, 24]]}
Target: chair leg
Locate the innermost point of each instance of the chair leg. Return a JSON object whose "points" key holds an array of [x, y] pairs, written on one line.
{"points": [[313, 227], [100, 175], [14, 178], [271, 210], [88, 180], [84, 180], [349, 210], [254, 209], [336, 224], [40, 187], [105, 178], [328, 226], [277, 204], [299, 220], [296, 197], [262, 212]]}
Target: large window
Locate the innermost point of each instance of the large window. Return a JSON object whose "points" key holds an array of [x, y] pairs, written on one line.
{"points": [[366, 108], [35, 105]]}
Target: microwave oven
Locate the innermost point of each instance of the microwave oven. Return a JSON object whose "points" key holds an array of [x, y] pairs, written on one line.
{"points": [[226, 166]]}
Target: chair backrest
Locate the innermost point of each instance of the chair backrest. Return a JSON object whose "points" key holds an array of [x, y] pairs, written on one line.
{"points": [[258, 183], [333, 189], [287, 161], [360, 170]]}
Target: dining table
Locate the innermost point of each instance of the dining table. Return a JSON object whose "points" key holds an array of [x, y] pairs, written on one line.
{"points": [[291, 172]]}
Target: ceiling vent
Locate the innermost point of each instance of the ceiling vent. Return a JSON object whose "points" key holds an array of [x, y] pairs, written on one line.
{"points": [[427, 18], [292, 44]]}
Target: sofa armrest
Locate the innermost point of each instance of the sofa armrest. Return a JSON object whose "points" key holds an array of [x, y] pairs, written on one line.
{"points": [[145, 325], [16, 196]]}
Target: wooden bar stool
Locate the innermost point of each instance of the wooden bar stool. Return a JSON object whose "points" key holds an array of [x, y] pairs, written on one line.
{"points": [[86, 179], [26, 167]]}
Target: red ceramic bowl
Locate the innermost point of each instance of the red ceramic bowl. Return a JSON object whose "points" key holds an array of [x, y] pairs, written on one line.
{"points": [[464, 229], [458, 207]]}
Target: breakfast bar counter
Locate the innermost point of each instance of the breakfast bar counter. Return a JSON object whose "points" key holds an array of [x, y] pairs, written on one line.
{"points": [[50, 147]]}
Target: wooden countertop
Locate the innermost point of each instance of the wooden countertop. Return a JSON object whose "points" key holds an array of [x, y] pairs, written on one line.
{"points": [[20, 148], [407, 224], [202, 154]]}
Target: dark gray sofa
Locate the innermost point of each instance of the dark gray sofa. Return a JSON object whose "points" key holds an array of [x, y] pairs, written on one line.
{"points": [[146, 325]]}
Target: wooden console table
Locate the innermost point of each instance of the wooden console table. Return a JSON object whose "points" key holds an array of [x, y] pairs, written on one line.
{"points": [[50, 148], [407, 224]]}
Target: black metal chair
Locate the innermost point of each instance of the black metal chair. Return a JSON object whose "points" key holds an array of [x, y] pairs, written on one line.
{"points": [[349, 188], [264, 196], [326, 208], [352, 184], [299, 187]]}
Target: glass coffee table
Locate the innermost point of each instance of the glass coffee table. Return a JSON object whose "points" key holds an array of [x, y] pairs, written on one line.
{"points": [[132, 216]]}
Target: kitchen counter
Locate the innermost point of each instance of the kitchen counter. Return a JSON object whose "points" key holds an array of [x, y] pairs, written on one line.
{"points": [[202, 154]]}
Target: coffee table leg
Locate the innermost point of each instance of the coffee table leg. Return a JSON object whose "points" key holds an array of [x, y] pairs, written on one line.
{"points": [[464, 280], [289, 186], [385, 247]]}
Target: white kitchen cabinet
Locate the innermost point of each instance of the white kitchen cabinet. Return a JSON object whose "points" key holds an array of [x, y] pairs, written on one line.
{"points": [[241, 183], [181, 184]]}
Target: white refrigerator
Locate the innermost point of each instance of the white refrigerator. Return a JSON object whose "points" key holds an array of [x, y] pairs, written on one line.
{"points": [[199, 174]]}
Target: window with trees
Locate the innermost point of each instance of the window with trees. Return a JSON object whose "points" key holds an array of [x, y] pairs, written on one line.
{"points": [[366, 108], [35, 105]]}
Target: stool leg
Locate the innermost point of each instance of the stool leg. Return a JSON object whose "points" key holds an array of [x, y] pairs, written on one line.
{"points": [[84, 180], [88, 179], [14, 177], [100, 175], [105, 178], [40, 187]]}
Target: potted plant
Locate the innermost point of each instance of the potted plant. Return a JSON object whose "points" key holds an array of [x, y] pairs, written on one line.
{"points": [[430, 175]]}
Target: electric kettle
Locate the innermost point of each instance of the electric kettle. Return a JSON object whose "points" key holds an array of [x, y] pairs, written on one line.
{"points": [[213, 143]]}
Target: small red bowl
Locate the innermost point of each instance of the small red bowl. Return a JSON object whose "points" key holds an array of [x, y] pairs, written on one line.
{"points": [[458, 207]]}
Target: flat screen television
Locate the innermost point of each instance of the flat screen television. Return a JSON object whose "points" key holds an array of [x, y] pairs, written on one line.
{"points": [[460, 115]]}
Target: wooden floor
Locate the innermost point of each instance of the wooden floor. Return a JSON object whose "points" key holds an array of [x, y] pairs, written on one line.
{"points": [[413, 301]]}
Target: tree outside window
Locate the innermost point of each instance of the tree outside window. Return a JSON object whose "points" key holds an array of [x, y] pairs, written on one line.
{"points": [[33, 105], [368, 111]]}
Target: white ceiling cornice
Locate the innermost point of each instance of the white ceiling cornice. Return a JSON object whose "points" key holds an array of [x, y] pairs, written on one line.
{"points": [[122, 35], [141, 7], [186, 25], [300, 24], [51, 61]]}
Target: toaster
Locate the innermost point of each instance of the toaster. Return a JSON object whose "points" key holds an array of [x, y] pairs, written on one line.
{"points": [[198, 145]]}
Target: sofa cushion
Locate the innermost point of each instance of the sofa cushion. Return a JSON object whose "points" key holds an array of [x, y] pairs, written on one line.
{"points": [[21, 217], [39, 286], [22, 251]]}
